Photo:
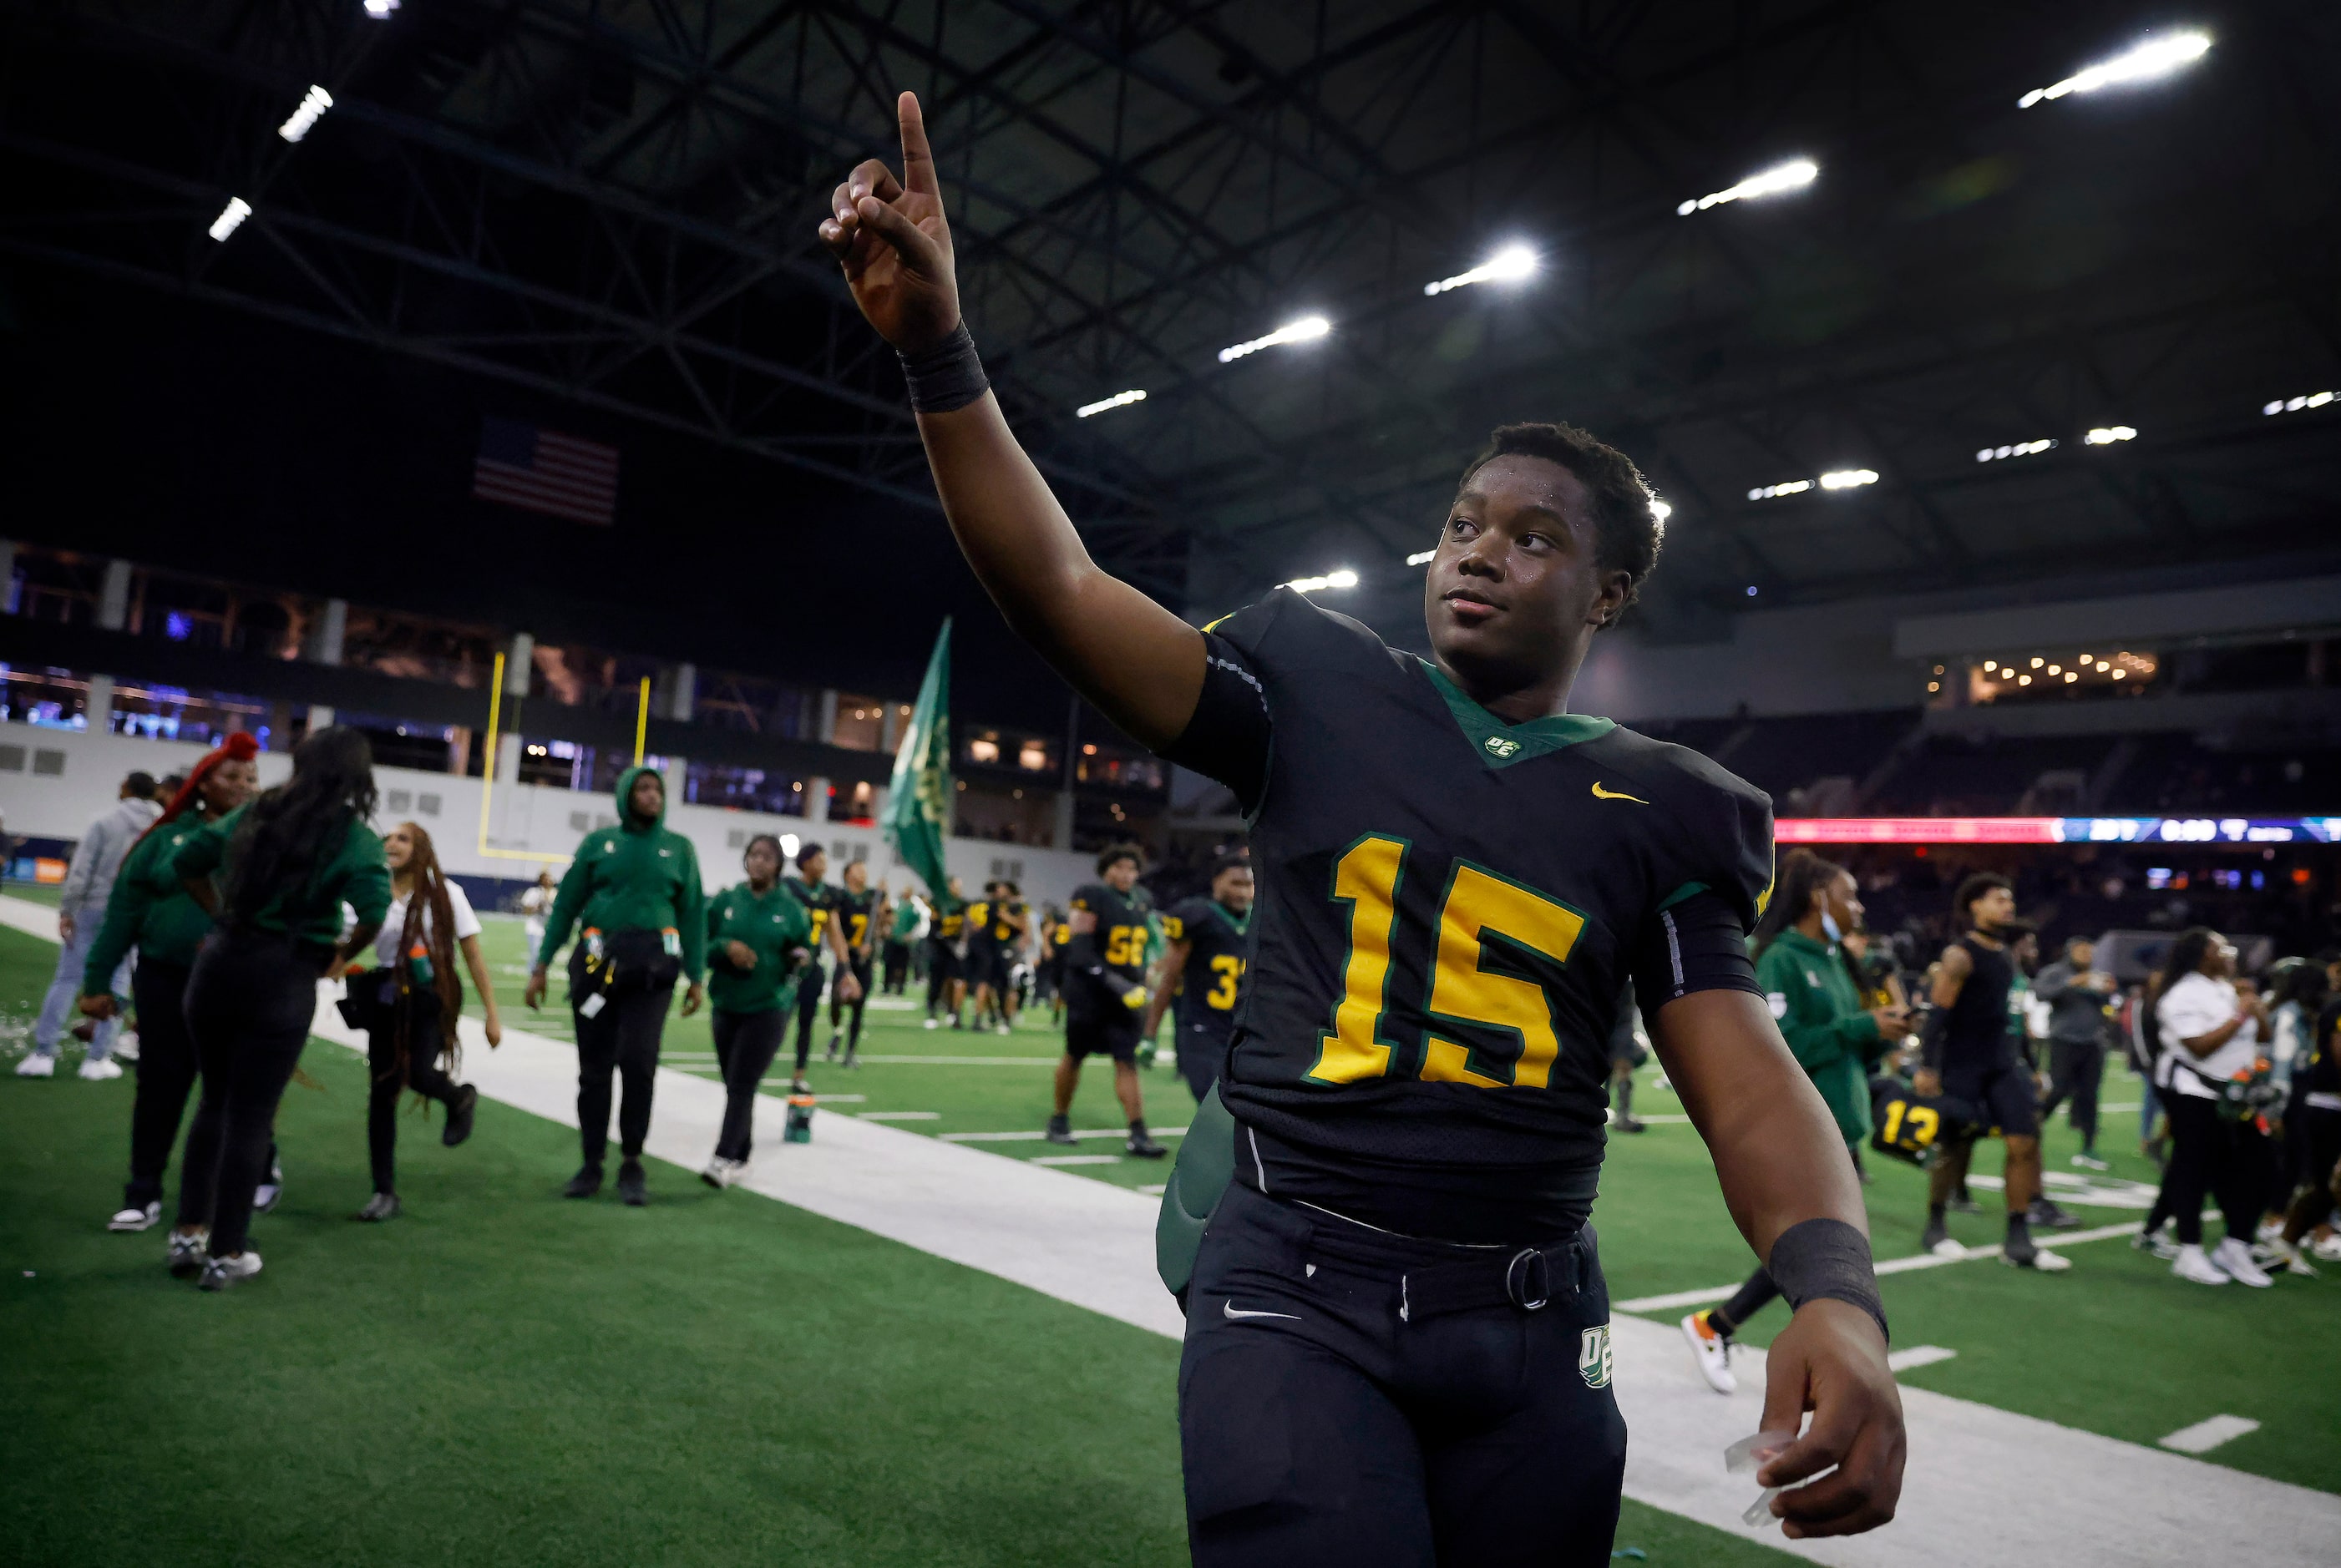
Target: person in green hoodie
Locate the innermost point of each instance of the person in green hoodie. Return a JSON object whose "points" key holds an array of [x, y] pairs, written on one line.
{"points": [[151, 911], [274, 874], [636, 891], [758, 937], [1811, 992]]}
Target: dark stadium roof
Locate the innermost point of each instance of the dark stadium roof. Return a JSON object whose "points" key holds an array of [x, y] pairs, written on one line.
{"points": [[612, 204]]}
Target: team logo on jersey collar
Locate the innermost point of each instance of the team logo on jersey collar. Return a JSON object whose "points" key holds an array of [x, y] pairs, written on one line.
{"points": [[1500, 746], [1594, 1356]]}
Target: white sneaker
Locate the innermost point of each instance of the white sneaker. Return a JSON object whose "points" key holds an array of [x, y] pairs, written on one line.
{"points": [[2327, 1249], [2235, 1256], [1712, 1352], [933, 1025], [1000, 1028], [100, 1069], [2269, 1230], [125, 1046], [721, 1173], [2281, 1256], [2090, 1162], [2193, 1266], [128, 1218], [219, 1273], [37, 1066], [187, 1252], [1949, 1247]]}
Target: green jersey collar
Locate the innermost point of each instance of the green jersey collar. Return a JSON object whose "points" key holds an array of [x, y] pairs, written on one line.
{"points": [[1499, 744], [1793, 938], [1229, 916]]}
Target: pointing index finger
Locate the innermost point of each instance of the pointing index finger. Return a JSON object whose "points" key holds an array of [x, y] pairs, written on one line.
{"points": [[917, 161]]}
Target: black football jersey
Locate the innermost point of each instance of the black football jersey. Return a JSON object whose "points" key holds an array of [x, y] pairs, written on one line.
{"points": [[1449, 908], [1009, 917], [819, 902], [1105, 962], [852, 912], [1219, 951]]}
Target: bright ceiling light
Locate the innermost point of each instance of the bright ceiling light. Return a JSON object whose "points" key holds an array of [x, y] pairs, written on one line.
{"points": [[2105, 436], [1790, 487], [379, 9], [1420, 558], [1790, 176], [1848, 477], [2021, 449], [1341, 579], [231, 215], [1119, 399], [1301, 331], [313, 105], [1508, 265], [1661, 511], [2295, 404], [2155, 57]]}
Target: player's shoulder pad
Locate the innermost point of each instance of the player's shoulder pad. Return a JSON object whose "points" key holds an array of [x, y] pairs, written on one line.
{"points": [[1089, 895], [1291, 620], [1720, 824]]}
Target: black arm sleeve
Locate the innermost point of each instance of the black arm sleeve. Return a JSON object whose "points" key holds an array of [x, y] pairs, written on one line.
{"points": [[1228, 738], [1697, 944]]}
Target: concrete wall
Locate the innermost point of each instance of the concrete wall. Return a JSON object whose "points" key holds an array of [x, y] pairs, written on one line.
{"points": [[529, 828]]}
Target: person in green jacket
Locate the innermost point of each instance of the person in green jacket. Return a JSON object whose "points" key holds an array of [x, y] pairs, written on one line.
{"points": [[274, 873], [1813, 997], [151, 911], [635, 889], [759, 936]]}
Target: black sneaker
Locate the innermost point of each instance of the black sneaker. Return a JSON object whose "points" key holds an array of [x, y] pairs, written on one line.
{"points": [[1964, 1204], [1060, 1130], [632, 1191], [267, 1195], [1937, 1239], [830, 1054], [585, 1184], [2054, 1216], [1144, 1146], [1629, 1125], [382, 1206], [852, 1062], [459, 1115]]}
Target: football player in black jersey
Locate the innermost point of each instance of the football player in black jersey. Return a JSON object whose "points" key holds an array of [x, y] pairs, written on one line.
{"points": [[1006, 919], [1105, 993], [1972, 1055], [820, 899], [946, 955], [1210, 949], [859, 915], [1398, 1346]]}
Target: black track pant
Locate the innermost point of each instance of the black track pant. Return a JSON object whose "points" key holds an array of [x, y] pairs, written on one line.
{"points": [[249, 1001], [166, 1073], [838, 1005], [2075, 1068], [1754, 1296], [2208, 1157], [809, 986], [898, 967], [423, 1076], [1324, 1420], [745, 1044], [624, 1037]]}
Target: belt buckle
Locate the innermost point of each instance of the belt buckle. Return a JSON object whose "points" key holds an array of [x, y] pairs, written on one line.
{"points": [[1526, 1262]]}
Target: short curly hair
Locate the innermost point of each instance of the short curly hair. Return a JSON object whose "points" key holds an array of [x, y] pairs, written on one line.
{"points": [[1630, 533]]}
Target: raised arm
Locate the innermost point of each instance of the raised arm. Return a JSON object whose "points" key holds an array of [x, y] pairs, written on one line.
{"points": [[1140, 665], [1167, 969]]}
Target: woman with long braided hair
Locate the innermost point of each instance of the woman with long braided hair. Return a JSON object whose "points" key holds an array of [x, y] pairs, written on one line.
{"points": [[410, 1003]]}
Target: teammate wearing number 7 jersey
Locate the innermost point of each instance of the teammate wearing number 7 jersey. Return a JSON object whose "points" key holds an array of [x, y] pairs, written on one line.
{"points": [[1398, 1337]]}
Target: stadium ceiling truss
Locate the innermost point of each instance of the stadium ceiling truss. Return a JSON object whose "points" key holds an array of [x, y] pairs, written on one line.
{"points": [[611, 202]]}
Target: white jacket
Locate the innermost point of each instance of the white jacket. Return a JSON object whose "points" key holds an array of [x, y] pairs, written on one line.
{"points": [[97, 858]]}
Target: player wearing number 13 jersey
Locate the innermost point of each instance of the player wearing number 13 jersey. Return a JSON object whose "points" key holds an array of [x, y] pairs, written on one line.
{"points": [[1398, 1345]]}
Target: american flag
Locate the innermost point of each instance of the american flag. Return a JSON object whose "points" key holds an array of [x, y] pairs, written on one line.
{"points": [[544, 470]]}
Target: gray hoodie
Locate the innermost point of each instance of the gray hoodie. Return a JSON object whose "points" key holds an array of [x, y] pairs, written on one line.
{"points": [[97, 858]]}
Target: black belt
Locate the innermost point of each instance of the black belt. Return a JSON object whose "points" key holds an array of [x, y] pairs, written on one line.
{"points": [[1528, 1278]]}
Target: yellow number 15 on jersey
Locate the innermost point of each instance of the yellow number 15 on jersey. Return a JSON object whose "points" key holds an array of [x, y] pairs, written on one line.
{"points": [[1478, 905]]}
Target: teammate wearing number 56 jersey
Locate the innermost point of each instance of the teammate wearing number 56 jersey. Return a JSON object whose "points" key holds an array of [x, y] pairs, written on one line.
{"points": [[1397, 1346], [1210, 947]]}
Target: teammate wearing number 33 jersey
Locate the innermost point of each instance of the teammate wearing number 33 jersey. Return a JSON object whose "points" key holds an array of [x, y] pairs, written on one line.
{"points": [[1398, 1347]]}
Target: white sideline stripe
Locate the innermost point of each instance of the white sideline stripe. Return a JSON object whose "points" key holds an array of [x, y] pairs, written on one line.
{"points": [[2204, 1436], [1019, 1137], [1891, 1266], [895, 1116], [964, 1061], [2050, 1494], [1918, 1356], [1076, 1160]]}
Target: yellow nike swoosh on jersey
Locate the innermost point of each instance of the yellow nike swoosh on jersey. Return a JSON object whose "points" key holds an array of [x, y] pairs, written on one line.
{"points": [[1601, 794]]}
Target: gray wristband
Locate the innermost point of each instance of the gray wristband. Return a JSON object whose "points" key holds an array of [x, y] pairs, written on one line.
{"points": [[1826, 1259], [945, 377]]}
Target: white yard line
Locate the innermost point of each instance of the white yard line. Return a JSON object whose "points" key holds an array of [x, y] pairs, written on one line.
{"points": [[2204, 1436], [1917, 1356], [2049, 1494], [900, 1115], [1922, 1260], [1019, 1137]]}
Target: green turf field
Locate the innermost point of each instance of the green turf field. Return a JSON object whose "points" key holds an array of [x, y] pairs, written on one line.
{"points": [[504, 1377]]}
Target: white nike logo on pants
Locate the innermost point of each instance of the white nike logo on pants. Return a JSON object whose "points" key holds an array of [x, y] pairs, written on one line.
{"points": [[1229, 1309]]}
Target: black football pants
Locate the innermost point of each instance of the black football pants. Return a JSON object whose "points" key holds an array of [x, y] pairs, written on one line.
{"points": [[423, 1075], [2075, 1068], [809, 981], [166, 1070], [1321, 1421], [251, 998], [839, 1007], [623, 1037], [745, 1044]]}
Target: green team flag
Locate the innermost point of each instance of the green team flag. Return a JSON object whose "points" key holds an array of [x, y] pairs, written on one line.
{"points": [[919, 797]]}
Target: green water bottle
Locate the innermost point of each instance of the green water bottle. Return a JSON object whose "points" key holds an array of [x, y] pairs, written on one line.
{"points": [[418, 960]]}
